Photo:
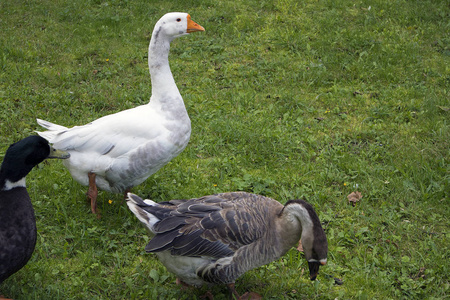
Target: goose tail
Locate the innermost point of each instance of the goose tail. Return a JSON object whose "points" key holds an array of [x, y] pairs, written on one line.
{"points": [[50, 126], [138, 207], [52, 129]]}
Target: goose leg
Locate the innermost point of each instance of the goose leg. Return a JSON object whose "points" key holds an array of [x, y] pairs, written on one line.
{"points": [[234, 293], [184, 285], [245, 296], [125, 195], [3, 298], [208, 296], [92, 192], [250, 296], [300, 247]]}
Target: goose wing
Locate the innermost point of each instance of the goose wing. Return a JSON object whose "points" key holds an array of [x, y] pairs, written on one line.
{"points": [[113, 134], [214, 226]]}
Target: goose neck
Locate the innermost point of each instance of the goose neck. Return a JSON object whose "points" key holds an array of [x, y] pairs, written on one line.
{"points": [[163, 83], [297, 221]]}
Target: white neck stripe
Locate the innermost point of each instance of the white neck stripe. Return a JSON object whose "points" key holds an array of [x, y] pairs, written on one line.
{"points": [[322, 261], [10, 185]]}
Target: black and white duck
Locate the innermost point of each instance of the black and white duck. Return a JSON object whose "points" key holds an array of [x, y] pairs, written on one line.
{"points": [[121, 150], [215, 239], [17, 220]]}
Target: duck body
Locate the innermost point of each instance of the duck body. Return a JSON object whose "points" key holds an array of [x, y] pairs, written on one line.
{"points": [[17, 219], [17, 231], [215, 239], [122, 150]]}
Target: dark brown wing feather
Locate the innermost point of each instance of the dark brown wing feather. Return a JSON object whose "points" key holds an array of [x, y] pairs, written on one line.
{"points": [[213, 226]]}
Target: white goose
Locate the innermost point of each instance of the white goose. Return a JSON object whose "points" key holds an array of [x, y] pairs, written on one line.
{"points": [[215, 239], [119, 151]]}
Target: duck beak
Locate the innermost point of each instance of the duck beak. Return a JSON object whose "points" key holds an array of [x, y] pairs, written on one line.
{"points": [[58, 154], [313, 269], [192, 26]]}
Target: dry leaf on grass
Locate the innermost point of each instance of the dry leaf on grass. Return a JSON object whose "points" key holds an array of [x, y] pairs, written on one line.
{"points": [[354, 197]]}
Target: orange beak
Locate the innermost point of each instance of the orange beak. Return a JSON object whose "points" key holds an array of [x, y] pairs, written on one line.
{"points": [[192, 26]]}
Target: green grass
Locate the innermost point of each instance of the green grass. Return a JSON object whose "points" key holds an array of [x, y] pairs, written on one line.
{"points": [[289, 99]]}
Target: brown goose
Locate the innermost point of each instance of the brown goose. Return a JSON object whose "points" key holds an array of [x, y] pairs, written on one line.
{"points": [[215, 239]]}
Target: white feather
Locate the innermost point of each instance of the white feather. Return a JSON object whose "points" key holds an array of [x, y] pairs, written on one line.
{"points": [[10, 185], [150, 202]]}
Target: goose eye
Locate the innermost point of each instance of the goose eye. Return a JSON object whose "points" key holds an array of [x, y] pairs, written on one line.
{"points": [[179, 20]]}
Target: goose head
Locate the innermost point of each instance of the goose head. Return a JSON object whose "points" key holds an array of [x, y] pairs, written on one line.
{"points": [[176, 24], [313, 238], [22, 156]]}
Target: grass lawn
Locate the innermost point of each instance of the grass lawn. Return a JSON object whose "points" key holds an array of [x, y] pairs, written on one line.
{"points": [[288, 99]]}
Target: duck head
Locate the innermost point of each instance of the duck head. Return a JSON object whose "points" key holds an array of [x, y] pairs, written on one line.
{"points": [[23, 155]]}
